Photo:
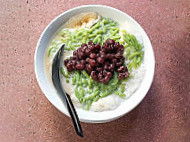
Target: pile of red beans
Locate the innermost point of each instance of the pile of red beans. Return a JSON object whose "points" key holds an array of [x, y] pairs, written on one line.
{"points": [[100, 62]]}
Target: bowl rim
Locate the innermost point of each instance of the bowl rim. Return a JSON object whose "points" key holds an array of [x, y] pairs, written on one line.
{"points": [[38, 74]]}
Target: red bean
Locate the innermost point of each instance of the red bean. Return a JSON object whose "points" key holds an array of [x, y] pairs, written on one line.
{"points": [[93, 56], [90, 43], [74, 57], [97, 46], [92, 62], [99, 69], [121, 69], [126, 74], [71, 58], [89, 68], [120, 76], [82, 55], [121, 48], [75, 52], [79, 55], [92, 48], [66, 61], [122, 59], [106, 66], [100, 76], [118, 64], [116, 45], [69, 67], [111, 67], [102, 54], [106, 79], [114, 60], [110, 41], [87, 52], [79, 66], [100, 60], [94, 75], [73, 62], [118, 55], [109, 74], [83, 49], [123, 75], [83, 44], [105, 72], [87, 60], [83, 62], [109, 56], [103, 49]]}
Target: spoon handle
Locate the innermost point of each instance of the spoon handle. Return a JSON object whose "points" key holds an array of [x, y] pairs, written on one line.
{"points": [[74, 116], [66, 99]]}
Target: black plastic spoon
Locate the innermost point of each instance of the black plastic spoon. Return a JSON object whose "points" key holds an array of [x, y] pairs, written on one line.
{"points": [[64, 96]]}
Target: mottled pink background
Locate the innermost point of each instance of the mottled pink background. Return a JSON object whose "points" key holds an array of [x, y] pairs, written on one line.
{"points": [[27, 116]]}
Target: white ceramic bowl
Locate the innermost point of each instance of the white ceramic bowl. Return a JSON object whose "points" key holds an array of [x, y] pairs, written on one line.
{"points": [[50, 92]]}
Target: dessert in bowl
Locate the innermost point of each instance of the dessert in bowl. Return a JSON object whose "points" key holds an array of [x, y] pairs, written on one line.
{"points": [[107, 65]]}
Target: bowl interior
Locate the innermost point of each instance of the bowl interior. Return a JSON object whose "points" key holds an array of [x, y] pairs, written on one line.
{"points": [[50, 92]]}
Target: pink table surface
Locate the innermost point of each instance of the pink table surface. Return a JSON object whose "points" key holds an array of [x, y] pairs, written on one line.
{"points": [[27, 116]]}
